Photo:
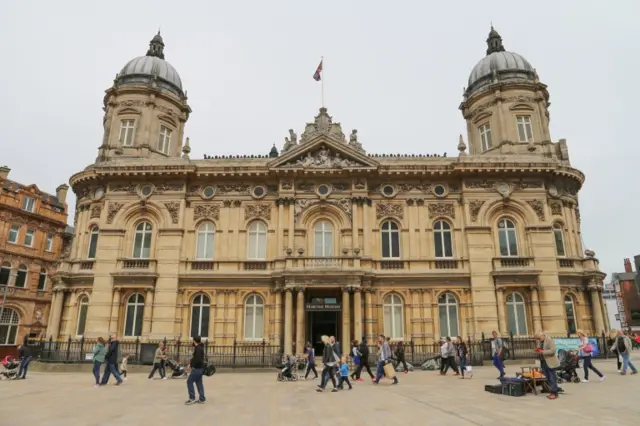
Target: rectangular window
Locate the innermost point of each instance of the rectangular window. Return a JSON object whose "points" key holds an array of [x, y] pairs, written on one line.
{"points": [[557, 233], [485, 137], [21, 278], [164, 140], [82, 319], [525, 133], [93, 245], [13, 233], [5, 272], [49, 246], [127, 128], [42, 282], [28, 204], [28, 237]]}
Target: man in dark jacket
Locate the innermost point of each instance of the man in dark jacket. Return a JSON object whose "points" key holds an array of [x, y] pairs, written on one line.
{"points": [[111, 359], [196, 371], [364, 361], [25, 358]]}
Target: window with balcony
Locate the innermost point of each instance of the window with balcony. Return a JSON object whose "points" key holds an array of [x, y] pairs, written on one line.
{"points": [[393, 316], [164, 140], [507, 238], [204, 241], [516, 314], [570, 314], [200, 316], [83, 307], [485, 137], [448, 315], [28, 237], [142, 241], [254, 318], [134, 315], [127, 130], [558, 236], [390, 240], [21, 276], [5, 273], [14, 233], [94, 233], [42, 280], [323, 239], [28, 203], [442, 239], [257, 241], [525, 134], [49, 244]]}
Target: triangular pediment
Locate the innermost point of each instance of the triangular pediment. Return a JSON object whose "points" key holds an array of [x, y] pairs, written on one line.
{"points": [[32, 188], [323, 153]]}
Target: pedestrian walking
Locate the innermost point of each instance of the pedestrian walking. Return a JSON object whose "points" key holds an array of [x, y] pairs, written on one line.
{"points": [[157, 363], [25, 359], [548, 361], [99, 353], [310, 354], [462, 352], [124, 365], [400, 357], [329, 360], [623, 345], [584, 352], [497, 347], [344, 374], [384, 358], [364, 361], [196, 372], [112, 362]]}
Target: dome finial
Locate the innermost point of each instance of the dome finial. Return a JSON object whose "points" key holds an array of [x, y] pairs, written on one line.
{"points": [[494, 42], [156, 46]]}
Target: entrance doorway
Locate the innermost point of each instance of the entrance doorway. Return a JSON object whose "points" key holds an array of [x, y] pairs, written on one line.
{"points": [[321, 323]]}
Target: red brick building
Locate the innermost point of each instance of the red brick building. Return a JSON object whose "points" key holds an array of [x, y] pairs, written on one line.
{"points": [[628, 292]]}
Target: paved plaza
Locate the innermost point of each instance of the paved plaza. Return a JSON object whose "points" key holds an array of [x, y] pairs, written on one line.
{"points": [[421, 398]]}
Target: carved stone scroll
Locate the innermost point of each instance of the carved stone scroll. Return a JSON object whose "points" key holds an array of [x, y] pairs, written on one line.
{"points": [[388, 209], [114, 208], [211, 211], [257, 211], [538, 207], [174, 211], [474, 209], [441, 209]]}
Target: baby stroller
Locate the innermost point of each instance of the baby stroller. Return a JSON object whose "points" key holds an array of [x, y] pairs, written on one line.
{"points": [[288, 370], [569, 363], [11, 367], [178, 370]]}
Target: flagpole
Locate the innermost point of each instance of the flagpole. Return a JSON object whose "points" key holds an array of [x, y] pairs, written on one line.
{"points": [[322, 81]]}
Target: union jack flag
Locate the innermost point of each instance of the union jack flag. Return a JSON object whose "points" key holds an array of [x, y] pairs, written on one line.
{"points": [[316, 75]]}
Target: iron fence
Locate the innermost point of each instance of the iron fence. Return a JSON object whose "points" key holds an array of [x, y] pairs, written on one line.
{"points": [[262, 354]]}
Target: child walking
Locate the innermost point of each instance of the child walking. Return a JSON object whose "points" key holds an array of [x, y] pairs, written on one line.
{"points": [[123, 366], [344, 374]]}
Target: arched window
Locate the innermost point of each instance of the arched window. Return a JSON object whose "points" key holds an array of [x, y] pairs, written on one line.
{"points": [[204, 241], [21, 276], [323, 239], [448, 314], [42, 280], [93, 242], [83, 307], [442, 239], [390, 240], [254, 318], [516, 314], [558, 236], [200, 316], [5, 273], [508, 238], [393, 316], [569, 309], [142, 241], [9, 326], [257, 241], [133, 316]]}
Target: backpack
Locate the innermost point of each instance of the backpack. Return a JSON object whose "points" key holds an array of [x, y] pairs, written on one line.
{"points": [[620, 345]]}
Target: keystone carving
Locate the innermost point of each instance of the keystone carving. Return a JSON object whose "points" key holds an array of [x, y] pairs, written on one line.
{"points": [[211, 211], [387, 209], [556, 208], [474, 209], [174, 210], [114, 208], [96, 211], [259, 211], [441, 209]]}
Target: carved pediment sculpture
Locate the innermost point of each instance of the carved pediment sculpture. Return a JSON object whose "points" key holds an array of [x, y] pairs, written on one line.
{"points": [[290, 142], [323, 125], [323, 158]]}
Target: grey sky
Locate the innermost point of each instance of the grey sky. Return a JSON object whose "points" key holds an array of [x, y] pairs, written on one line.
{"points": [[393, 70]]}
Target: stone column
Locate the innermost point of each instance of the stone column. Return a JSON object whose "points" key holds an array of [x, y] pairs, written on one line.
{"points": [[277, 333], [357, 314], [300, 322], [115, 312], [502, 314], [535, 308], [596, 308], [280, 235], [291, 241], [54, 326], [354, 228], [288, 319], [369, 318], [148, 307], [346, 319], [366, 250]]}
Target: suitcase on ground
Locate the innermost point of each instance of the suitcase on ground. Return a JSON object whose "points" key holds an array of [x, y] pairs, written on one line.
{"points": [[493, 389], [513, 389]]}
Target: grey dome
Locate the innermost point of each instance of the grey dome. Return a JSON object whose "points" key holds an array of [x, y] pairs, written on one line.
{"points": [[503, 65], [146, 69]]}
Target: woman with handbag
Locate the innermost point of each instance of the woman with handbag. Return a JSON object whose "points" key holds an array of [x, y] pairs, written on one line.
{"points": [[585, 350]]}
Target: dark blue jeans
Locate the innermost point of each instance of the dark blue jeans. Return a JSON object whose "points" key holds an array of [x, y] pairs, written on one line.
{"points": [[108, 371], [380, 371], [195, 377], [24, 366], [550, 374], [497, 362], [463, 365], [96, 371]]}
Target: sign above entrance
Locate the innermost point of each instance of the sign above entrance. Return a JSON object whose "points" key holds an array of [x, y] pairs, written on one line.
{"points": [[321, 306]]}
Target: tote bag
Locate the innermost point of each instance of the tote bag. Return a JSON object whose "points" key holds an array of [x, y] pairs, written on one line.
{"points": [[389, 371]]}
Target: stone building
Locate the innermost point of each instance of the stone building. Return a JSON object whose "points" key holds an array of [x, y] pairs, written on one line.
{"points": [[33, 233], [322, 237]]}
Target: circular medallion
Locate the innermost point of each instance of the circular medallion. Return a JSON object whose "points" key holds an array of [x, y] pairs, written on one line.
{"points": [[259, 191], [98, 193], [553, 191], [208, 192], [323, 189], [503, 188]]}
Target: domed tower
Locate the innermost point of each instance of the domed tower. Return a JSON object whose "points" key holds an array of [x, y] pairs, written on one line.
{"points": [[505, 105], [145, 109]]}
